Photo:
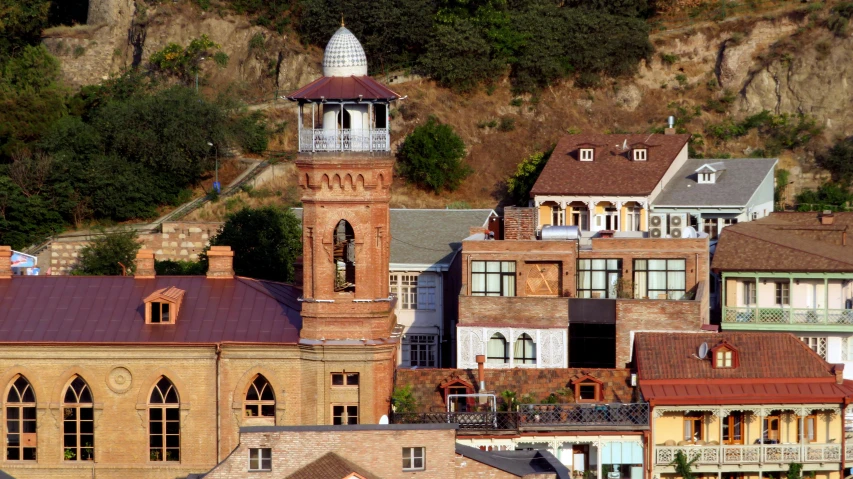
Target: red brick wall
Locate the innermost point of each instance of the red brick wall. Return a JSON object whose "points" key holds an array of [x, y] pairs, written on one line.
{"points": [[375, 451], [533, 312], [519, 223]]}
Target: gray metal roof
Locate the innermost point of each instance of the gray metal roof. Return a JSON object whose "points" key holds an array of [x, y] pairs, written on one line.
{"points": [[519, 463], [429, 237], [735, 185]]}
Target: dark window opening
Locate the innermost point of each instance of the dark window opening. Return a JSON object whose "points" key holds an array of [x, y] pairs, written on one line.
{"points": [[592, 345], [21, 438], [344, 257], [68, 12], [344, 414], [587, 392], [260, 399], [380, 115], [78, 422], [344, 379], [160, 312]]}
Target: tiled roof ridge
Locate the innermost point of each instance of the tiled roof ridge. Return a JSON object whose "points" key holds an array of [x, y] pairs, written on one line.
{"points": [[794, 248]]}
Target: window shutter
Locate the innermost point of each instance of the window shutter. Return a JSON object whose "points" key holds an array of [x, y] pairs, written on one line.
{"points": [[426, 291]]}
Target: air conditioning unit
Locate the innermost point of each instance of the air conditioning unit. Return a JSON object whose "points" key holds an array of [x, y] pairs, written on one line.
{"points": [[677, 223], [657, 226]]}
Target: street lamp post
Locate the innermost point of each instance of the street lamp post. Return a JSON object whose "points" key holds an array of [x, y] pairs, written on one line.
{"points": [[197, 68], [216, 186]]}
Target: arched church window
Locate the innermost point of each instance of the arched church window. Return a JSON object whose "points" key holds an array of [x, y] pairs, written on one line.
{"points": [[164, 422], [260, 399], [21, 436], [78, 422], [344, 257]]}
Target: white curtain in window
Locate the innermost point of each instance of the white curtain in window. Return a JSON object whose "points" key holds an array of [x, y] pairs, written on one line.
{"points": [[497, 349], [675, 284], [525, 350], [599, 280], [641, 289], [509, 285], [657, 281]]}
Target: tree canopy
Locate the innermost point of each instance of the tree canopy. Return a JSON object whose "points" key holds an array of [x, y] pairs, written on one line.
{"points": [[106, 254], [432, 157]]}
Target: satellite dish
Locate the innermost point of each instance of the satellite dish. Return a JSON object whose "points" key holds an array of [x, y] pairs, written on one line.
{"points": [[703, 350], [689, 232], [384, 418]]}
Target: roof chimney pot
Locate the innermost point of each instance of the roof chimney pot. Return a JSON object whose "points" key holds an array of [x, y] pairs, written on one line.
{"points": [[220, 262], [827, 218], [838, 369], [5, 262], [144, 264]]}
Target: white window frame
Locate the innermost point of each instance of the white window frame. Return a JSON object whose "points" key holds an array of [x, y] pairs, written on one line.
{"points": [[640, 154], [816, 344], [258, 459], [415, 291], [749, 293], [632, 218], [587, 154], [783, 293], [846, 345], [427, 343], [706, 178], [410, 457]]}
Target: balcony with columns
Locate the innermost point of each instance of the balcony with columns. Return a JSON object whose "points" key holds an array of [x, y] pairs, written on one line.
{"points": [[626, 215], [787, 301], [742, 438]]}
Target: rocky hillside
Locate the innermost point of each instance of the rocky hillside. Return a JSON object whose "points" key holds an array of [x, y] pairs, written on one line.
{"points": [[783, 61]]}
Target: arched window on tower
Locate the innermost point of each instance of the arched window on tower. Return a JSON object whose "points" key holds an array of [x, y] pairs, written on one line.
{"points": [[21, 421], [260, 400], [344, 257], [78, 422], [164, 422]]}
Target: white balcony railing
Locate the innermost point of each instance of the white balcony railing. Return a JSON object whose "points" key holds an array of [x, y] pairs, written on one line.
{"points": [[752, 454], [349, 139], [761, 315]]}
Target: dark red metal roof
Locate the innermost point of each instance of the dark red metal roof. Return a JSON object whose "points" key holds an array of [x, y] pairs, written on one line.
{"points": [[719, 392], [344, 88], [109, 309]]}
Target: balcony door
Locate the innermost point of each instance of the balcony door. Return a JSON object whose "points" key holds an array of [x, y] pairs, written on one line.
{"points": [[733, 428], [771, 430]]}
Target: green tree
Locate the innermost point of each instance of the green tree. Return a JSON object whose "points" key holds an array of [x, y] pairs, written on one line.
{"points": [[404, 400], [185, 62], [526, 174], [795, 471], [460, 57], [106, 253], [179, 268], [830, 196], [266, 242], [839, 161], [21, 23], [683, 466], [432, 157]]}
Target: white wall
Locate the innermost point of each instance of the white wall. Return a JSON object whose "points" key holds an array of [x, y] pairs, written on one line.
{"points": [[808, 294], [420, 321]]}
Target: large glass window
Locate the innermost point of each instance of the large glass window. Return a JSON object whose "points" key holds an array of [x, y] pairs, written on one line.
{"points": [[525, 350], [21, 437], [497, 350], [420, 350], [493, 278], [659, 278], [599, 278], [164, 422], [693, 430], [260, 399], [78, 422], [733, 428]]}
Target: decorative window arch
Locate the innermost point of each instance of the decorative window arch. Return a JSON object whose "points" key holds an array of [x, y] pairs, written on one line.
{"points": [[344, 257], [260, 400], [497, 350], [164, 422], [78, 422], [524, 350], [21, 438]]}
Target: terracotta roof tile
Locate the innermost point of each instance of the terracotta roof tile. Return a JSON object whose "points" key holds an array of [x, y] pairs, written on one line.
{"points": [[330, 466], [786, 242], [539, 383], [613, 171]]}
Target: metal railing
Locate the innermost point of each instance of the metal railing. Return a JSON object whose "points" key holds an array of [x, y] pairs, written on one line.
{"points": [[751, 454], [539, 416], [761, 315], [348, 139]]}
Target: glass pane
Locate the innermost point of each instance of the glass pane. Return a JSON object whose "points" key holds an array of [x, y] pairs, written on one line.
{"points": [[493, 267], [676, 264], [599, 264], [478, 266], [155, 414], [583, 264], [337, 379], [155, 427], [508, 266], [352, 379], [640, 264], [613, 264], [173, 414], [657, 264]]}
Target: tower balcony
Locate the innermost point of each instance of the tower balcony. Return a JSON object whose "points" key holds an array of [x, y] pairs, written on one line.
{"points": [[344, 139]]}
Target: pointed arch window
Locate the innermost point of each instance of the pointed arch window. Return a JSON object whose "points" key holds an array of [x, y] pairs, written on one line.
{"points": [[21, 439], [164, 422], [344, 257], [525, 350], [497, 350], [260, 399], [78, 422]]}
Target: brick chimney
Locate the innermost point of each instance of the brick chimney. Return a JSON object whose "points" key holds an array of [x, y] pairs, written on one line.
{"points": [[838, 369], [827, 218], [519, 223], [5, 262], [220, 262], [144, 264]]}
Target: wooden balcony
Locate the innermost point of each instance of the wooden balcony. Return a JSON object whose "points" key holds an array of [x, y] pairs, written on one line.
{"points": [[751, 316], [753, 454]]}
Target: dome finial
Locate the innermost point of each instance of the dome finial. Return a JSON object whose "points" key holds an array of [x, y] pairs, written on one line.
{"points": [[342, 20]]}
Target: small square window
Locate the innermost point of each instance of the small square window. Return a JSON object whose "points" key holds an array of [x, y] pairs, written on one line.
{"points": [[260, 459], [344, 379], [159, 312], [588, 392], [413, 458], [640, 154], [344, 414], [586, 154]]}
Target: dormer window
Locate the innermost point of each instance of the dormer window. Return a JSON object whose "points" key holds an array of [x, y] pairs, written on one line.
{"points": [[640, 154], [724, 356], [162, 306], [586, 154], [588, 389], [707, 178]]}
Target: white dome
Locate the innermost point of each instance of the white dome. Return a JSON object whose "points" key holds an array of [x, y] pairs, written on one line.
{"points": [[344, 56]]}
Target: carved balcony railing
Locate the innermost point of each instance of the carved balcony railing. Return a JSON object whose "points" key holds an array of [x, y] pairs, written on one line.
{"points": [[348, 139], [753, 315], [751, 454], [541, 417]]}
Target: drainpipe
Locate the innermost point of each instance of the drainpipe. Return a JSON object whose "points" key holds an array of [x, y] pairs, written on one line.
{"points": [[218, 402], [481, 374]]}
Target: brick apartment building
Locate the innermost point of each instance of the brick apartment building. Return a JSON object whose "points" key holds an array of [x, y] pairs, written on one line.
{"points": [[574, 302]]}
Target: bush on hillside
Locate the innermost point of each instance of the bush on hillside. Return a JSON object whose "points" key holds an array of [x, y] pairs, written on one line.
{"points": [[105, 254], [526, 174], [432, 157], [839, 161]]}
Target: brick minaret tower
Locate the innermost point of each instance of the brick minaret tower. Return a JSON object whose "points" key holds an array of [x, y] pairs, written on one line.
{"points": [[345, 172]]}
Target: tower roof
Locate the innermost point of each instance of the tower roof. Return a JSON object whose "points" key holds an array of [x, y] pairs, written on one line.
{"points": [[344, 55]]}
